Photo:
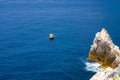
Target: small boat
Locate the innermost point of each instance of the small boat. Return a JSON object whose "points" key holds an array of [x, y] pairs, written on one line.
{"points": [[51, 36]]}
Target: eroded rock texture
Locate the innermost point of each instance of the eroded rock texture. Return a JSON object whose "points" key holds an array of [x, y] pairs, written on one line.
{"points": [[104, 51]]}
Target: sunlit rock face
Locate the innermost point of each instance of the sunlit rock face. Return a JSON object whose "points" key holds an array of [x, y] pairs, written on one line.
{"points": [[104, 51], [107, 74]]}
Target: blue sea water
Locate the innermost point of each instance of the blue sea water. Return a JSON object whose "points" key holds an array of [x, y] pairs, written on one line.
{"points": [[26, 53]]}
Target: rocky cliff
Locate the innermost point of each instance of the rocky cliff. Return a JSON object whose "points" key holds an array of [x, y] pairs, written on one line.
{"points": [[104, 51], [107, 74]]}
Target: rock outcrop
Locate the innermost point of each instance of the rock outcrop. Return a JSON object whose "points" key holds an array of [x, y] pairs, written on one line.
{"points": [[104, 51], [107, 74]]}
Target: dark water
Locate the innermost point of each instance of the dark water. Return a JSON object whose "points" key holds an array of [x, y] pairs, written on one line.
{"points": [[26, 53]]}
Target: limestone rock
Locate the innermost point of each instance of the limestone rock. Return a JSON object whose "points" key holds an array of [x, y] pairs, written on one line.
{"points": [[104, 51], [107, 74]]}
